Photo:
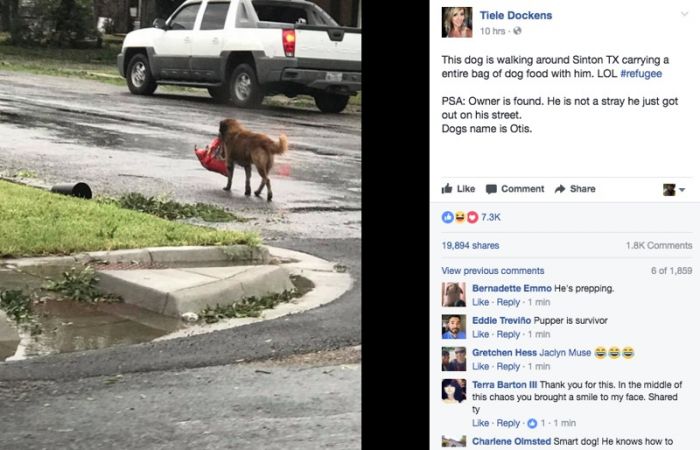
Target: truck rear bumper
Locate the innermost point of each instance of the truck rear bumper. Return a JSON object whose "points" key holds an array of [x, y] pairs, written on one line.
{"points": [[350, 83], [327, 75]]}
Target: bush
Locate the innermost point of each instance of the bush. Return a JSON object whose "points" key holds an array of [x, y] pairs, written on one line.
{"points": [[108, 26], [61, 23]]}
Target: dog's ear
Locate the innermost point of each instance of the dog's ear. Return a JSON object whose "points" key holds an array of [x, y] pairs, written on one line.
{"points": [[222, 127]]}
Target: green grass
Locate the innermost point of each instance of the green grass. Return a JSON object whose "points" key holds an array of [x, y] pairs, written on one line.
{"points": [[95, 64], [169, 209], [25, 173], [34, 222], [356, 100]]}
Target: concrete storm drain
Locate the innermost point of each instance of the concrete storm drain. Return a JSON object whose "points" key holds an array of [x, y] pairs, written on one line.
{"points": [[154, 294]]}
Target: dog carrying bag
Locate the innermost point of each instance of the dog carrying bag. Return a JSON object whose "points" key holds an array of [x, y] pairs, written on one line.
{"points": [[211, 157]]}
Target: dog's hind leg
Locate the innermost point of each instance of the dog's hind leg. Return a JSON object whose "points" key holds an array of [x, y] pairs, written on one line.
{"points": [[247, 181], [264, 174], [262, 185], [265, 181], [269, 190], [230, 177], [270, 162]]}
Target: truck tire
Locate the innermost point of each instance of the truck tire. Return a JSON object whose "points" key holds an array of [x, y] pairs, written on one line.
{"points": [[138, 76], [244, 90], [219, 94], [331, 103]]}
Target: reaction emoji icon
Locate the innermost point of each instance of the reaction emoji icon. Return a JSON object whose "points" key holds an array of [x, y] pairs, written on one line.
{"points": [[448, 217], [614, 352], [600, 352], [459, 217], [628, 352]]}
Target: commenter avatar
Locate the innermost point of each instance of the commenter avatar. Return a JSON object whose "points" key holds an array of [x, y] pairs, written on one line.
{"points": [[453, 294], [454, 390], [452, 327]]}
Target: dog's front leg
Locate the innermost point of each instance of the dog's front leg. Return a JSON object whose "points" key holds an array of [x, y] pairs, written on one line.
{"points": [[230, 176], [247, 180]]}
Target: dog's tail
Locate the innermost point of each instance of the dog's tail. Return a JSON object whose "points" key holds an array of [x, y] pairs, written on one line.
{"points": [[281, 146]]}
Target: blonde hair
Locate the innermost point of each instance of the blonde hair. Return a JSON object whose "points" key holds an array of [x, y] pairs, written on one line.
{"points": [[447, 17]]}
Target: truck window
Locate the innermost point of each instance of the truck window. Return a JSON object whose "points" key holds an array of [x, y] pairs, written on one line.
{"points": [[320, 17], [215, 16], [280, 13], [184, 19]]}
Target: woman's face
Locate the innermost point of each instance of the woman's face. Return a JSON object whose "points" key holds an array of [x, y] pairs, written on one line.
{"points": [[457, 18], [450, 390]]}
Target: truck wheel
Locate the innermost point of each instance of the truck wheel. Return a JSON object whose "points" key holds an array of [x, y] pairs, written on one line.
{"points": [[244, 88], [218, 93], [331, 103], [138, 76]]}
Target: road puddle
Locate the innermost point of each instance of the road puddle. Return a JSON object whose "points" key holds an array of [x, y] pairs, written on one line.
{"points": [[68, 326], [63, 326]]}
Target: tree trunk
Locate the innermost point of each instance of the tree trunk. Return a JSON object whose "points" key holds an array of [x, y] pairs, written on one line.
{"points": [[12, 7], [4, 15]]}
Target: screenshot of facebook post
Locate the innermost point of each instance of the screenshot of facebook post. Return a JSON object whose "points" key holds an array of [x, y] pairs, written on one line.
{"points": [[564, 220]]}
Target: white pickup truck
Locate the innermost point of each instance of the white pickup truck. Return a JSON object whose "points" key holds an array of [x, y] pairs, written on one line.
{"points": [[242, 50]]}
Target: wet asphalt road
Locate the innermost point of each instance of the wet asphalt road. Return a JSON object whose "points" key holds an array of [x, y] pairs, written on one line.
{"points": [[198, 392], [66, 130], [332, 326], [243, 406], [69, 130]]}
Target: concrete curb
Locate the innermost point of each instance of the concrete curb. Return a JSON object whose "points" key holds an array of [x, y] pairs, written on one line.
{"points": [[153, 255], [329, 285], [172, 292]]}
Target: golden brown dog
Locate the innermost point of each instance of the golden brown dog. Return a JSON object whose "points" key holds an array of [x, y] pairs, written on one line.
{"points": [[247, 148]]}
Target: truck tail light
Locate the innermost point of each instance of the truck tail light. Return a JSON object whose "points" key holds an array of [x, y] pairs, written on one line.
{"points": [[289, 40]]}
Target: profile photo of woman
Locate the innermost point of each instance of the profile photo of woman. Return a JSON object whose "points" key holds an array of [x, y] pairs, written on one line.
{"points": [[452, 392], [456, 21]]}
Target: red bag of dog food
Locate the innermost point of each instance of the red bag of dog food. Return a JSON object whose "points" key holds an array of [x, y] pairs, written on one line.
{"points": [[212, 157]]}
